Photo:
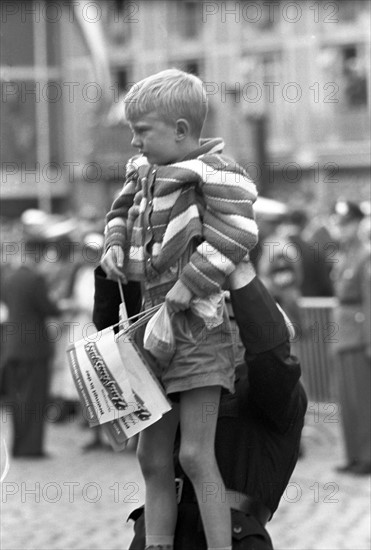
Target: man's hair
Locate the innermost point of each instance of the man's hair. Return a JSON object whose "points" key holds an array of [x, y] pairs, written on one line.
{"points": [[172, 94]]}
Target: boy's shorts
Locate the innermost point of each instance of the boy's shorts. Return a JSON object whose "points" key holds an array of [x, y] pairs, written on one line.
{"points": [[202, 358]]}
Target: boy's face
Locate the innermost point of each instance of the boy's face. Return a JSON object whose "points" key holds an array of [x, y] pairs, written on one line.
{"points": [[155, 138]]}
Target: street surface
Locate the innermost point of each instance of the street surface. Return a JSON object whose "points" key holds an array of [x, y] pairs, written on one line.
{"points": [[75, 500]]}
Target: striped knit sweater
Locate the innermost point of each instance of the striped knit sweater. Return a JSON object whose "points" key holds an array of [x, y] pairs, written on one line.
{"points": [[161, 209]]}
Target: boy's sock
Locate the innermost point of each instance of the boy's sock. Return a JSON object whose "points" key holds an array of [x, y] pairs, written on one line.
{"points": [[159, 542]]}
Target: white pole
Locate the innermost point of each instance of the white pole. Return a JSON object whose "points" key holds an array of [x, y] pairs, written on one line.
{"points": [[42, 114]]}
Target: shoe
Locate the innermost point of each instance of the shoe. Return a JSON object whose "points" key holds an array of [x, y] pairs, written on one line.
{"points": [[346, 467], [32, 455], [96, 445], [361, 469]]}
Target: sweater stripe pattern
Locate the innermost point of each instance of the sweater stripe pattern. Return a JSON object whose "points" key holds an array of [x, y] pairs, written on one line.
{"points": [[161, 209]]}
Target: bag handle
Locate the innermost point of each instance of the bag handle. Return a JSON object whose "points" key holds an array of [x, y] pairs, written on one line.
{"points": [[121, 290], [123, 314], [141, 317]]}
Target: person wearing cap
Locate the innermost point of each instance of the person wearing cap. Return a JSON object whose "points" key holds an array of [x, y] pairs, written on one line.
{"points": [[352, 278], [314, 279], [258, 429], [28, 348]]}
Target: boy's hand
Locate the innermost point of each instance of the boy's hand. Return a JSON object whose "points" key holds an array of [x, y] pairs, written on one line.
{"points": [[112, 263], [178, 298]]}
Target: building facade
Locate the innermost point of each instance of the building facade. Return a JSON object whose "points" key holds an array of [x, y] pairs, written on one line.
{"points": [[299, 71], [288, 85], [51, 100]]}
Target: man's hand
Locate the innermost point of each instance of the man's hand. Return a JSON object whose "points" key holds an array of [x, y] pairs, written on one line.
{"points": [[178, 298], [112, 263], [241, 276]]}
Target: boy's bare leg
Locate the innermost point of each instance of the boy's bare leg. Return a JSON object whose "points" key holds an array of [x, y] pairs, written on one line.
{"points": [[198, 418], [155, 454]]}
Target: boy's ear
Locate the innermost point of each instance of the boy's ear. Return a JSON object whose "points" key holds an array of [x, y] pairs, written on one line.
{"points": [[182, 129]]}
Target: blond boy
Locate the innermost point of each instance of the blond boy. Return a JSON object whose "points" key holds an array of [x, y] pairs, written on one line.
{"points": [[181, 224]]}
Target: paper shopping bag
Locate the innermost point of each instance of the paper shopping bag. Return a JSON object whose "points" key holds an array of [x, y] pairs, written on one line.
{"points": [[150, 399], [115, 383], [101, 379]]}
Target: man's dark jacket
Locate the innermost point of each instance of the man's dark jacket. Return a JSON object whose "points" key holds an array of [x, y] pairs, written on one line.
{"points": [[26, 332]]}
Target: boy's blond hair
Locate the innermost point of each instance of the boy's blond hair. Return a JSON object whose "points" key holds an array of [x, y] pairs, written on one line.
{"points": [[172, 94]]}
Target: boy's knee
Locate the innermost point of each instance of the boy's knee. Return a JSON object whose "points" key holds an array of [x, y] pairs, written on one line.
{"points": [[150, 464], [145, 460], [192, 463]]}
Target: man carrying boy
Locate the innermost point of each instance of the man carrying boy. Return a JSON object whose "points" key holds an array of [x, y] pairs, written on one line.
{"points": [[258, 430], [181, 224]]}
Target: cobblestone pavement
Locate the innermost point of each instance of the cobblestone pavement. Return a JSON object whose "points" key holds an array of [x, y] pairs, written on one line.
{"points": [[77, 500]]}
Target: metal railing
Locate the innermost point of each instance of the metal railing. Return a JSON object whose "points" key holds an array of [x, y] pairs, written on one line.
{"points": [[314, 347]]}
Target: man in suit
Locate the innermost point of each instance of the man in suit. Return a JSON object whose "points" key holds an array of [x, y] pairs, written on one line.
{"points": [[314, 279], [352, 281], [28, 349]]}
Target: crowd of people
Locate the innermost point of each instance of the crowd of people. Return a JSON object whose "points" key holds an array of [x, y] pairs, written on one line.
{"points": [[47, 294], [42, 289], [183, 236], [35, 291], [333, 260]]}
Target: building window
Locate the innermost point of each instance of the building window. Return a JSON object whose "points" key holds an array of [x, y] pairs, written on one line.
{"points": [[260, 14], [262, 92], [340, 13], [344, 114], [354, 74], [54, 51], [18, 126], [189, 19], [17, 38], [346, 67], [350, 10], [192, 67], [120, 14], [121, 80]]}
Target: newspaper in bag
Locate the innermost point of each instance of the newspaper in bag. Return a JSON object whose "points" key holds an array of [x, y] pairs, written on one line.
{"points": [[150, 398], [116, 386], [101, 380]]}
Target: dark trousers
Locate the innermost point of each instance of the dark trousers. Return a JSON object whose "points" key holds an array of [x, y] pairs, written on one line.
{"points": [[248, 534], [354, 382], [28, 395]]}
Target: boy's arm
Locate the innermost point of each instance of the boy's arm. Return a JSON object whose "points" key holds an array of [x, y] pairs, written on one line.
{"points": [[116, 220], [229, 227], [115, 232]]}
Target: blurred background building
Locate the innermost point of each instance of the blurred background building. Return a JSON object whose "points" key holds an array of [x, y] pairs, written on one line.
{"points": [[288, 84]]}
